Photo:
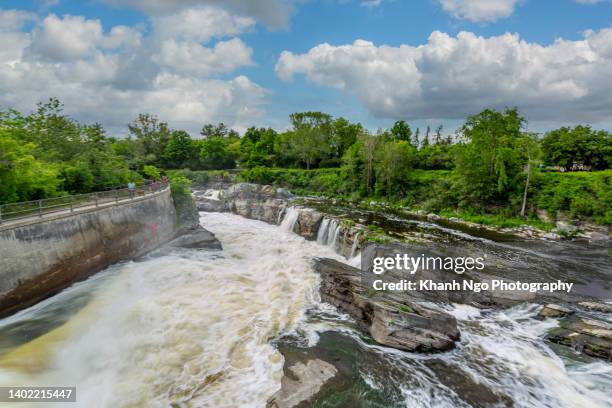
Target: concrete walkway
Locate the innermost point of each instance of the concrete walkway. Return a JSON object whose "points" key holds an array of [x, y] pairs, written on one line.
{"points": [[67, 212]]}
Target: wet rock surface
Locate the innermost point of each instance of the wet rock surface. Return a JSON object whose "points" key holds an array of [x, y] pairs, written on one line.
{"points": [[590, 277], [552, 310], [254, 201], [367, 381], [585, 335], [199, 238], [308, 223], [394, 320], [523, 256], [301, 382], [596, 306]]}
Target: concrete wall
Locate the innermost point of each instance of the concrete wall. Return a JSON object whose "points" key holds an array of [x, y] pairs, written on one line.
{"points": [[40, 259]]}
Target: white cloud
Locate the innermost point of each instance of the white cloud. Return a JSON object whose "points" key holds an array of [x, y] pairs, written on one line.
{"points": [[273, 13], [111, 76], [13, 40], [13, 20], [200, 24], [451, 77], [70, 37], [192, 58], [479, 10], [371, 3]]}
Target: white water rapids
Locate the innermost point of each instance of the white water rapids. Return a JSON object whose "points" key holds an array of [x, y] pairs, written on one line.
{"points": [[193, 328]]}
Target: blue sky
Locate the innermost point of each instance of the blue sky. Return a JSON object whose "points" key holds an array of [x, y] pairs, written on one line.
{"points": [[400, 72]]}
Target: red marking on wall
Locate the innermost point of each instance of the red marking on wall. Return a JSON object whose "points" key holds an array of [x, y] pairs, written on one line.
{"points": [[154, 228]]}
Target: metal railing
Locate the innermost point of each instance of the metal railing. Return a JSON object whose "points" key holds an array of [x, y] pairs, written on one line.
{"points": [[39, 208]]}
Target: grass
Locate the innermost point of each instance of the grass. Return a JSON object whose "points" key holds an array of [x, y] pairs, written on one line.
{"points": [[497, 220], [406, 309]]}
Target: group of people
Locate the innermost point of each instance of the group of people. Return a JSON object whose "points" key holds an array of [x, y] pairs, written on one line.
{"points": [[152, 185]]}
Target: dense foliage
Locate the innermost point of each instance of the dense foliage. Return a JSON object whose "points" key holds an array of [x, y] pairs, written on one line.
{"points": [[46, 154], [491, 165]]}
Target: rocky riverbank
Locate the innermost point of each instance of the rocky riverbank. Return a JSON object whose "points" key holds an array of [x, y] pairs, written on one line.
{"points": [[418, 321]]}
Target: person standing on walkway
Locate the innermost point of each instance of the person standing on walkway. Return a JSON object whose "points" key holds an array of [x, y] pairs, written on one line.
{"points": [[132, 188]]}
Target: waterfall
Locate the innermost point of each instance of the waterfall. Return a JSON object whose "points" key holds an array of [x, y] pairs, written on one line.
{"points": [[333, 229], [148, 331], [291, 217], [322, 233], [280, 215], [328, 232], [355, 243], [212, 195]]}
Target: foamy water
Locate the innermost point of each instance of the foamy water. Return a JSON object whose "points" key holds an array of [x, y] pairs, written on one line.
{"points": [[192, 327]]}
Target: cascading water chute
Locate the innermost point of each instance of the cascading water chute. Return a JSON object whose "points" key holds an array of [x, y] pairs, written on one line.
{"points": [[290, 219]]}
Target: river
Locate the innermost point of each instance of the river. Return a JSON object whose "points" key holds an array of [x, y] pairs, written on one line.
{"points": [[206, 329]]}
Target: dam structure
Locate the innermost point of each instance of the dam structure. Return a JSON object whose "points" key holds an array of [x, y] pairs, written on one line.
{"points": [[43, 252]]}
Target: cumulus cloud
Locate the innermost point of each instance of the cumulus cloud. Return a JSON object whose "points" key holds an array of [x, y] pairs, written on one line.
{"points": [[200, 24], [73, 37], [451, 77], [13, 40], [479, 10], [273, 13], [111, 75], [192, 58]]}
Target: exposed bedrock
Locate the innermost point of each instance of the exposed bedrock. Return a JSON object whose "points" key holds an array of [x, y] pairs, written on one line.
{"points": [[271, 205], [500, 264], [259, 202], [585, 335], [301, 382], [392, 319], [308, 223]]}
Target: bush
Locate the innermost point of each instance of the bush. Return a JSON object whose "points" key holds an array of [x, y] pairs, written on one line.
{"points": [[186, 210], [581, 195], [151, 172]]}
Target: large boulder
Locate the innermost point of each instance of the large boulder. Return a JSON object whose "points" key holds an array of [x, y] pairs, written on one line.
{"points": [[394, 320], [585, 335], [301, 383], [196, 239], [552, 310], [308, 223]]}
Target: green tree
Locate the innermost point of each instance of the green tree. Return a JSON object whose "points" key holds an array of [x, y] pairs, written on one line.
{"points": [[489, 163], [394, 160], [78, 178], [22, 176], [566, 147], [309, 141], [152, 136], [151, 172], [257, 147], [220, 130], [401, 131], [215, 154], [180, 150], [344, 135]]}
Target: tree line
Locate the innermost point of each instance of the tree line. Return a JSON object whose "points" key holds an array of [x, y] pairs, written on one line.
{"points": [[46, 153]]}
